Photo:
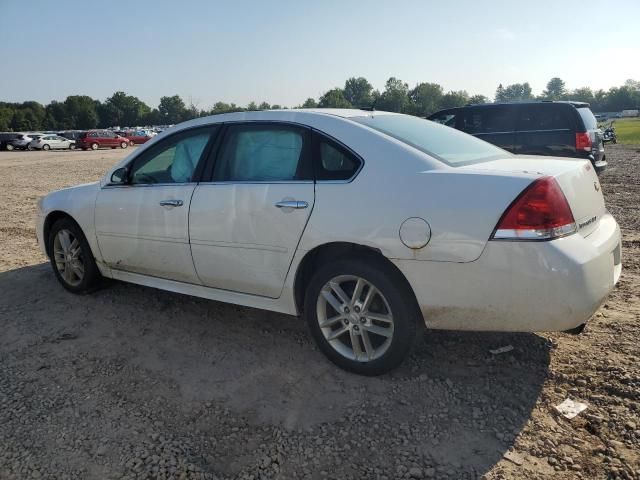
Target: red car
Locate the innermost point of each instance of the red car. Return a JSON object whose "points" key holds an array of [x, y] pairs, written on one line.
{"points": [[136, 137], [95, 139]]}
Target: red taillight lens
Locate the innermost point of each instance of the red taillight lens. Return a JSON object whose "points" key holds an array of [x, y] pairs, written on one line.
{"points": [[541, 212], [583, 141]]}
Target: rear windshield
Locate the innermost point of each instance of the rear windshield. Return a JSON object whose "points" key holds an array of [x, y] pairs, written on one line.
{"points": [[589, 119], [447, 144]]}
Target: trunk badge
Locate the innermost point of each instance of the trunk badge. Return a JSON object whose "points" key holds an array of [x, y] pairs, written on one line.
{"points": [[596, 186]]}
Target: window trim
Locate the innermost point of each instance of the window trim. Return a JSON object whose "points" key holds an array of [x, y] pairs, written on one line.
{"points": [[207, 178], [317, 138], [199, 170]]}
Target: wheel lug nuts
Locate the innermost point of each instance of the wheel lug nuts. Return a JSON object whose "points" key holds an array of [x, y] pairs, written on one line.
{"points": [[363, 320], [346, 309], [356, 328], [346, 321], [357, 309]]}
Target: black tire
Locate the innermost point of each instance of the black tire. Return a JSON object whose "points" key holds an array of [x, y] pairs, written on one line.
{"points": [[46, 147], [398, 295], [91, 278]]}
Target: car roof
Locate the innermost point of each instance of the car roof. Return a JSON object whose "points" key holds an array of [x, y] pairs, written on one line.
{"points": [[531, 102]]}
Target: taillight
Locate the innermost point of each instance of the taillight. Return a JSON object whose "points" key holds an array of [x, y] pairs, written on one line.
{"points": [[540, 212], [583, 141]]}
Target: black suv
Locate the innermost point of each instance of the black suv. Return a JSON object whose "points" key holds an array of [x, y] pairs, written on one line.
{"points": [[559, 129]]}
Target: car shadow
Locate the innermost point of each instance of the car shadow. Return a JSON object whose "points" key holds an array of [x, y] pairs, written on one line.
{"points": [[452, 405]]}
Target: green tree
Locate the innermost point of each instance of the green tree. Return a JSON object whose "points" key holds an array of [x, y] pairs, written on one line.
{"points": [[357, 91], [252, 106], [6, 115], [478, 99], [264, 106], [56, 116], [583, 94], [516, 92], [125, 110], [334, 98], [310, 103], [172, 109], [34, 114], [425, 99], [395, 97], [555, 90], [80, 112], [454, 99]]}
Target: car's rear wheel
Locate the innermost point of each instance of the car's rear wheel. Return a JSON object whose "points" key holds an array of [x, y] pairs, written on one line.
{"points": [[29, 147], [46, 147], [72, 146], [94, 146], [124, 145], [361, 315], [9, 147], [71, 257]]}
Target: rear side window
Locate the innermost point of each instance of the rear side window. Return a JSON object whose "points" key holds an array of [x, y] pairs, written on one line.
{"points": [[589, 119], [544, 117], [263, 153], [332, 161], [500, 119]]}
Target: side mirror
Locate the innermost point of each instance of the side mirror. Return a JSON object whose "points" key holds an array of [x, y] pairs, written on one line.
{"points": [[120, 176]]}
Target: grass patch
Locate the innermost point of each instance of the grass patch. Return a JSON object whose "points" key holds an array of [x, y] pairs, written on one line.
{"points": [[627, 130]]}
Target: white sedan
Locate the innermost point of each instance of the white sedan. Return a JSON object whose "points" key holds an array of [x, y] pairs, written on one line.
{"points": [[52, 142], [367, 224]]}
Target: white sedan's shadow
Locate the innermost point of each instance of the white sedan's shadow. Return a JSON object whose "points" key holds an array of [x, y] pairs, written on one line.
{"points": [[452, 403]]}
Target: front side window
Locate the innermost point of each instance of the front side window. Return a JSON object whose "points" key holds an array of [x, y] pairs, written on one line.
{"points": [[262, 153], [173, 160], [448, 145], [446, 117], [499, 119]]}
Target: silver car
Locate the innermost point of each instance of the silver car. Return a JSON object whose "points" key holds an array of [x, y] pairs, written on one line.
{"points": [[50, 142]]}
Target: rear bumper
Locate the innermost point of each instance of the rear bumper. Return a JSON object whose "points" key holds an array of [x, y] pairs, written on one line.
{"points": [[520, 286]]}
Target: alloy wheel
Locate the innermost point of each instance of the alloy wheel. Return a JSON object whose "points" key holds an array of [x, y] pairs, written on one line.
{"points": [[355, 318], [67, 253]]}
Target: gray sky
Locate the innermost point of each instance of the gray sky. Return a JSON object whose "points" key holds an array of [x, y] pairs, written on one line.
{"points": [[283, 51]]}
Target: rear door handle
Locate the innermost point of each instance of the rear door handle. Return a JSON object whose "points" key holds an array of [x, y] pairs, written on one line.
{"points": [[171, 203], [292, 204]]}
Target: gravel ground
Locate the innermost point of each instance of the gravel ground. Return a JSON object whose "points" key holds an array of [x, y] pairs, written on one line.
{"points": [[131, 382]]}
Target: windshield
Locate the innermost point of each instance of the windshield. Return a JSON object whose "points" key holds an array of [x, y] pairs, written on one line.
{"points": [[590, 122], [447, 144]]}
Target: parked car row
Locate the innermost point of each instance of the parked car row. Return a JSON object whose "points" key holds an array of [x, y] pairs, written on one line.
{"points": [[560, 129], [89, 139]]}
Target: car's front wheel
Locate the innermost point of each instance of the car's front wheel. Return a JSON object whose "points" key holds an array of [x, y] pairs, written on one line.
{"points": [[46, 147], [10, 147], [124, 145], [94, 146], [71, 257], [361, 314]]}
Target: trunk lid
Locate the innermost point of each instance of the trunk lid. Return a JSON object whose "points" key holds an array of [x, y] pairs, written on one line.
{"points": [[576, 177]]}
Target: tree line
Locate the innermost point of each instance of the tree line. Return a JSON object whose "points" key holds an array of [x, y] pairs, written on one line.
{"points": [[121, 109]]}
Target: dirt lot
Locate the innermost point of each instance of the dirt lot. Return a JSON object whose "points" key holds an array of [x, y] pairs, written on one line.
{"points": [[131, 382]]}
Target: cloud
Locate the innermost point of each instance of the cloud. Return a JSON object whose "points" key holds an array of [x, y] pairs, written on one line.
{"points": [[504, 34]]}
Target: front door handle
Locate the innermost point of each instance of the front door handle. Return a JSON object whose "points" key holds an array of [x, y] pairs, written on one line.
{"points": [[292, 204], [171, 203]]}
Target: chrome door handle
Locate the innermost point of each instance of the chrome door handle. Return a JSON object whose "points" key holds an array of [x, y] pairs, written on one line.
{"points": [[171, 203], [292, 204]]}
